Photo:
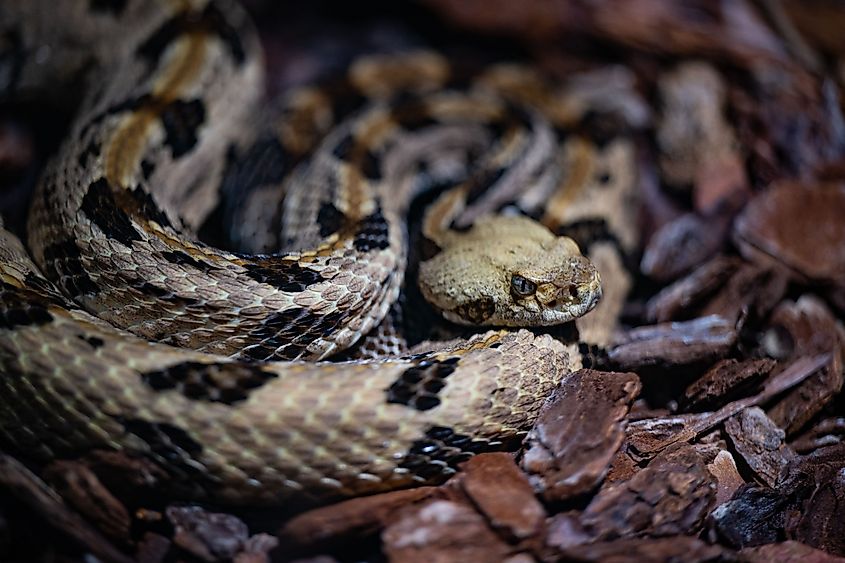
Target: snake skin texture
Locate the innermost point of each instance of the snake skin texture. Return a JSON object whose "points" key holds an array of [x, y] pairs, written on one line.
{"points": [[120, 330]]}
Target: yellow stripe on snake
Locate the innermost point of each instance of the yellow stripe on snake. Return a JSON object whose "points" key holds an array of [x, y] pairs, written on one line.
{"points": [[227, 397]]}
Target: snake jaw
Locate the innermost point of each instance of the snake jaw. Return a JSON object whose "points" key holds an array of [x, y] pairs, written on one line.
{"points": [[579, 293], [573, 293]]}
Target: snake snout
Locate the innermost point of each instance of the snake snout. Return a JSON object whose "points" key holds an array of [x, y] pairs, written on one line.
{"points": [[579, 284]]}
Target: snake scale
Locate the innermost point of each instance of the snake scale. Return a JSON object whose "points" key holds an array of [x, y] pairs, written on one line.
{"points": [[119, 330]]}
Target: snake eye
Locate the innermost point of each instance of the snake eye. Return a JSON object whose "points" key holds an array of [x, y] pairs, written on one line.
{"points": [[522, 287]]}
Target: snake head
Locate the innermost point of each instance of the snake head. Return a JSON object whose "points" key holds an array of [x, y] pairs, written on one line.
{"points": [[510, 271]]}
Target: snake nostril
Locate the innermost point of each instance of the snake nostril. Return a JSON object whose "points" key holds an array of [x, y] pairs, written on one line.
{"points": [[553, 303], [573, 291]]}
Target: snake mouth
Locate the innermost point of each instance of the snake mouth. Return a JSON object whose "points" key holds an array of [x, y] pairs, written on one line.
{"points": [[573, 298]]}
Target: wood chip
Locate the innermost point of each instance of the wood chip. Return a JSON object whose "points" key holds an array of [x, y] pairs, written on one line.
{"points": [[752, 291], [682, 296], [760, 443], [676, 548], [787, 552], [81, 487], [821, 524], [806, 506], [647, 437], [827, 432], [441, 531], [153, 548], [361, 517], [681, 245], [809, 328], [728, 480], [207, 535], [724, 382], [32, 491], [578, 432], [671, 496], [673, 344], [809, 243], [502, 493]]}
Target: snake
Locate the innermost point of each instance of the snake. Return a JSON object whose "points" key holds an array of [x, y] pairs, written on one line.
{"points": [[121, 331]]}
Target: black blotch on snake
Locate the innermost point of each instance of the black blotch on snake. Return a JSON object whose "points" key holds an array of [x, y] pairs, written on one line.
{"points": [[22, 307], [175, 446], [227, 383], [147, 169], [286, 335], [209, 21], [116, 7], [480, 183], [370, 166], [372, 232], [93, 341], [287, 276], [91, 149], [418, 386], [185, 259], [438, 453], [591, 230], [330, 219], [148, 288], [413, 116], [146, 207], [65, 262], [100, 206], [181, 120]]}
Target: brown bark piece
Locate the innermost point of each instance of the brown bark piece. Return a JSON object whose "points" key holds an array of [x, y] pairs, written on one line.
{"points": [[647, 437], [32, 491], [622, 466], [503, 495], [787, 552], [359, 517], [677, 548], [680, 297], [570, 448], [129, 478], [827, 432], [752, 290], [755, 516], [207, 535], [724, 381], [257, 549], [822, 524], [671, 496], [79, 486], [673, 344], [811, 329], [728, 480], [760, 443], [806, 506], [153, 548], [442, 531], [809, 243], [681, 245]]}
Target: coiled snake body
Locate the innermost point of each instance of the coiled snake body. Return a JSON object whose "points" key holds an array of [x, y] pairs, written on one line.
{"points": [[223, 398]]}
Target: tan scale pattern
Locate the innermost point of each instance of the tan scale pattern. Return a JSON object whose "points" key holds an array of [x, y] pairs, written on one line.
{"points": [[147, 148]]}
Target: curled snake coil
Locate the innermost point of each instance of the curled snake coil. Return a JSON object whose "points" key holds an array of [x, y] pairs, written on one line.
{"points": [[119, 330]]}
